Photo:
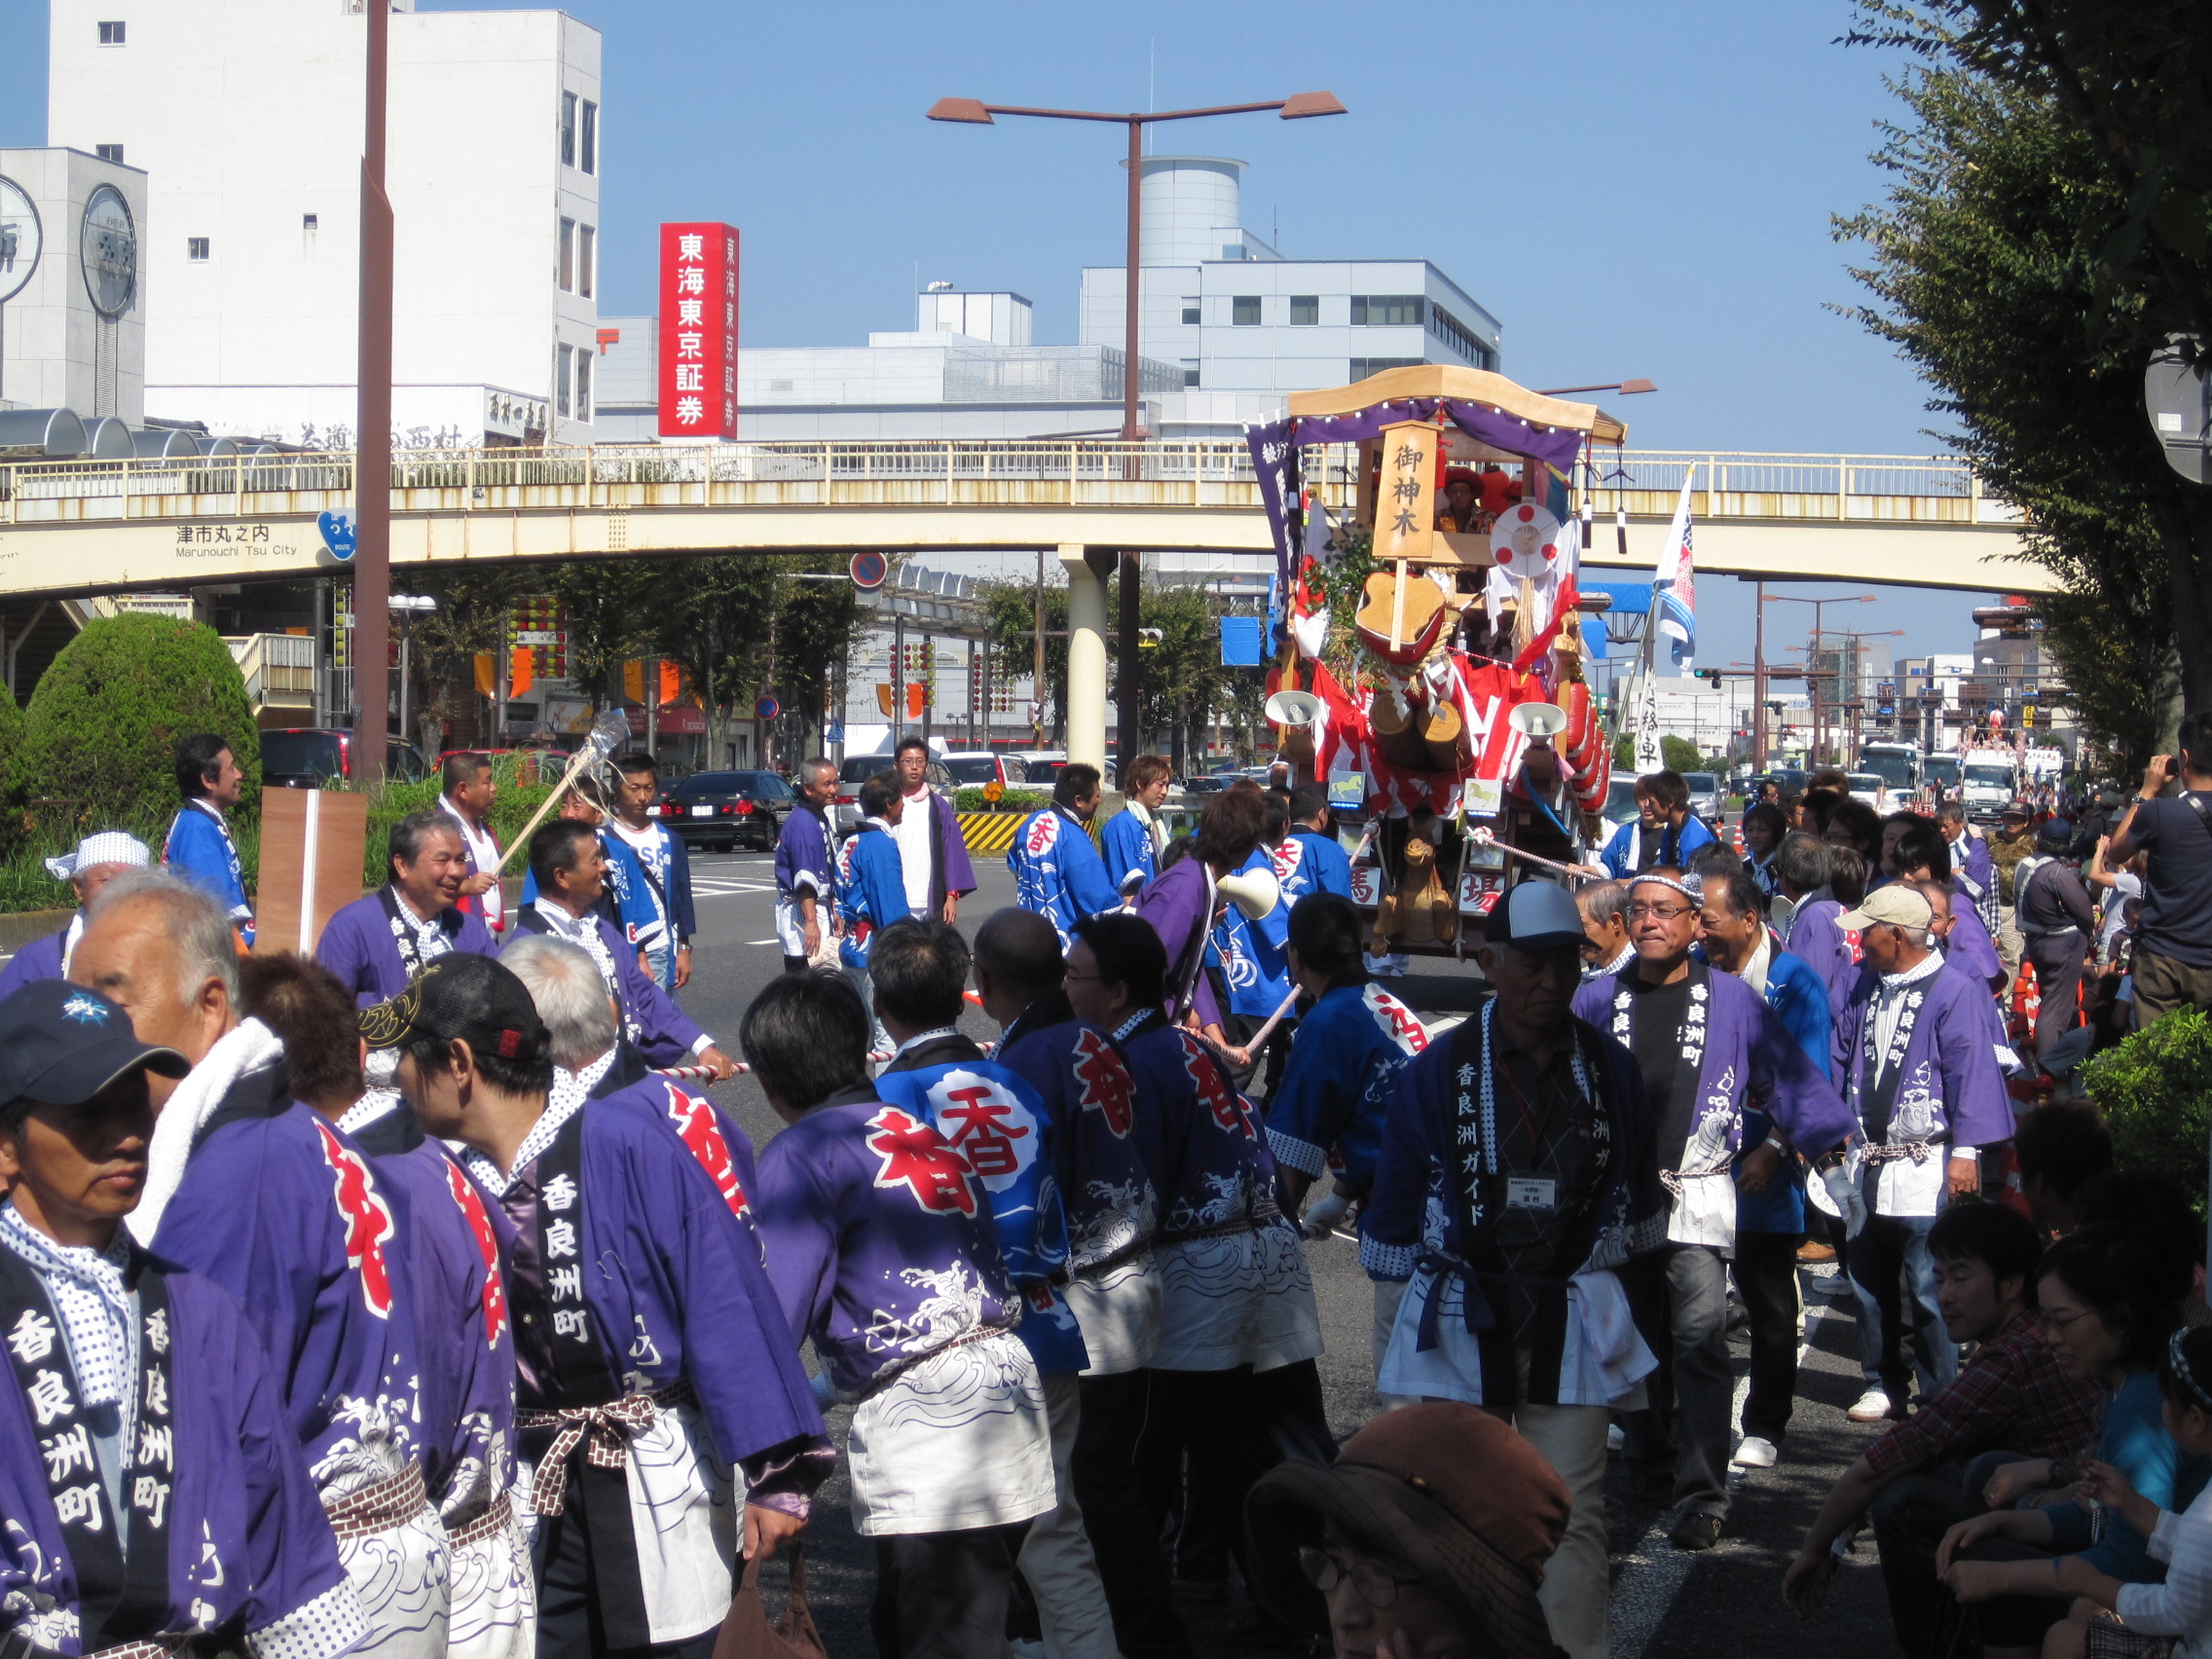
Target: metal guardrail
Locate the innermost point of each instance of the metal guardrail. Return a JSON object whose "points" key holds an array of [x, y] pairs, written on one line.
{"points": [[1203, 473]]}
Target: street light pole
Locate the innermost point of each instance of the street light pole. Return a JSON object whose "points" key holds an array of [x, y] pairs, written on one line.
{"points": [[1813, 651], [372, 439], [973, 111]]}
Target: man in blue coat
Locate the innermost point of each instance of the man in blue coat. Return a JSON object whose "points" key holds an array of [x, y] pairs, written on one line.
{"points": [[1665, 831], [1136, 835], [379, 943], [649, 870], [1312, 860], [1056, 870], [807, 875], [570, 866], [1770, 1216], [200, 847]]}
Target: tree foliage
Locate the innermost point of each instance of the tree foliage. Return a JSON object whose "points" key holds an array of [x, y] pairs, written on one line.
{"points": [[1985, 272], [2156, 1092], [100, 732]]}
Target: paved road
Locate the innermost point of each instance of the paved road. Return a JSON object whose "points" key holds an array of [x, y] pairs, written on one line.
{"points": [[1667, 1605]]}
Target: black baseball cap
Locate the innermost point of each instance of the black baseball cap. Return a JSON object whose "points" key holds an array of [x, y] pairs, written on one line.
{"points": [[1534, 915], [60, 1044], [465, 996]]}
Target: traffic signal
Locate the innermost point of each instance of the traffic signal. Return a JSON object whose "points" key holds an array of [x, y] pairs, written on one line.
{"points": [[1711, 676]]}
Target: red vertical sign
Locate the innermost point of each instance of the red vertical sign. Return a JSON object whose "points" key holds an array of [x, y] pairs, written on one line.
{"points": [[698, 331]]}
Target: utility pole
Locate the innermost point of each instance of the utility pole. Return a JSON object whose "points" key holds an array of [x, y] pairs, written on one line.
{"points": [[1037, 667], [1758, 683], [372, 438]]}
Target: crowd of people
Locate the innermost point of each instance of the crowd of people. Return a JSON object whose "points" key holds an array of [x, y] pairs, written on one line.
{"points": [[409, 1299]]}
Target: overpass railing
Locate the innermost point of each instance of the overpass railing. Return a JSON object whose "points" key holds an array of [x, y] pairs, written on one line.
{"points": [[1197, 473]]}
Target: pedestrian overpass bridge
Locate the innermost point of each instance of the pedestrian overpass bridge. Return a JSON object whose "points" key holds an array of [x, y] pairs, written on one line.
{"points": [[75, 528]]}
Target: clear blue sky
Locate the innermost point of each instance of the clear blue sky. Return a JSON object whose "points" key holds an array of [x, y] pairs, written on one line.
{"points": [[1632, 190]]}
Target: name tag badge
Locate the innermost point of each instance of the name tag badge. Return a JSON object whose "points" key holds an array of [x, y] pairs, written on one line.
{"points": [[1531, 1192]]}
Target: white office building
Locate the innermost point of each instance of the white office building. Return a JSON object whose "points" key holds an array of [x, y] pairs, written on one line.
{"points": [[247, 120], [72, 292]]}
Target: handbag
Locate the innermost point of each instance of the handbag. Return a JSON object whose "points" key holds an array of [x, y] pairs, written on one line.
{"points": [[746, 1632]]}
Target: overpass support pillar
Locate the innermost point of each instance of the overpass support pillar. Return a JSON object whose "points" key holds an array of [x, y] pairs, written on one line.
{"points": [[1087, 569]]}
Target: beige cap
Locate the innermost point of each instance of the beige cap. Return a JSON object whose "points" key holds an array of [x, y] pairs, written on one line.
{"points": [[1900, 903]]}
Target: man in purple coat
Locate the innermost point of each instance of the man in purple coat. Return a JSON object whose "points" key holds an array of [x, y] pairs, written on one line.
{"points": [[152, 1490], [379, 943], [1183, 900], [249, 1188], [570, 865], [98, 859], [1915, 1052], [1708, 1049], [462, 1331], [932, 851]]}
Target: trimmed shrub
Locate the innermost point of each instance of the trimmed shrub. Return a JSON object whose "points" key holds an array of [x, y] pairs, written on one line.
{"points": [[2156, 1093], [101, 730]]}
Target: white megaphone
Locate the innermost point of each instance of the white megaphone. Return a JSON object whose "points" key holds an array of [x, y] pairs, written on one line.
{"points": [[1540, 721], [1255, 892], [1294, 708]]}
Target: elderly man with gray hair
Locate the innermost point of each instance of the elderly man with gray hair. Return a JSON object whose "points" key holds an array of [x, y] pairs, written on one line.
{"points": [[257, 1192], [379, 943], [806, 881], [564, 985], [98, 859]]}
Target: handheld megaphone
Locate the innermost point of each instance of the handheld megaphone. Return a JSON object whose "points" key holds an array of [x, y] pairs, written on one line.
{"points": [[1255, 892], [1294, 709], [1540, 721]]}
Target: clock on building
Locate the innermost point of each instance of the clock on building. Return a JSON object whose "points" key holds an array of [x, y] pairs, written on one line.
{"points": [[109, 251]]}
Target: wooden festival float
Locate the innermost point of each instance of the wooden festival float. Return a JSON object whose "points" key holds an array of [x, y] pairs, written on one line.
{"points": [[1456, 697]]}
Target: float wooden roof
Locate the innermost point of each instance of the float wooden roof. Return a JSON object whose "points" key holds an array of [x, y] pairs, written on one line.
{"points": [[1473, 385]]}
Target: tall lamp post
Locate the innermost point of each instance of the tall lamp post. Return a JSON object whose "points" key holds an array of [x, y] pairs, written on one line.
{"points": [[1766, 599], [975, 112]]}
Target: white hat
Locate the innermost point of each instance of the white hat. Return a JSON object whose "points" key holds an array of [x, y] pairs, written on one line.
{"points": [[109, 846]]}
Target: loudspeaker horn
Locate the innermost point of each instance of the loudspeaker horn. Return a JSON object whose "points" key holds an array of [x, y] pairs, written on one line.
{"points": [[1255, 892], [1294, 708], [1542, 720]]}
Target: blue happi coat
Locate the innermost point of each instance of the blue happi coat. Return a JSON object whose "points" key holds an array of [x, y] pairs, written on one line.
{"points": [[1253, 959], [1057, 871], [1127, 842], [880, 1240], [1336, 1088], [1740, 1057], [1200, 1138], [871, 889], [652, 892], [246, 1539], [994, 1119], [1309, 862], [199, 849], [1800, 1001]]}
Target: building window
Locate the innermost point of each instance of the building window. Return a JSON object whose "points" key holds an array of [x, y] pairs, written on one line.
{"points": [[1190, 371], [310, 221], [1189, 313], [587, 244], [1387, 311], [111, 34], [1362, 367], [588, 146], [109, 153], [567, 256], [1305, 311], [567, 130], [583, 382], [560, 375], [1244, 310], [195, 247], [1459, 337]]}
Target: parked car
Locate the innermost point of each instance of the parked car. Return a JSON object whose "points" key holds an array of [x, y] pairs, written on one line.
{"points": [[975, 769], [307, 757], [716, 810], [1869, 787], [1705, 796], [1620, 802]]}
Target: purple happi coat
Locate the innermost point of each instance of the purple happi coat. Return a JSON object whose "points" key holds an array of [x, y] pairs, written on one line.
{"points": [[285, 1212], [361, 946], [1948, 1087], [41, 959], [1179, 904], [463, 1331], [214, 1477], [1744, 1057], [1815, 941]]}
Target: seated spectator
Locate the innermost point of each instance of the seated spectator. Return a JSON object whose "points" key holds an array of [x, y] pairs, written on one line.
{"points": [[2011, 1397], [2154, 1620], [2059, 1147], [2110, 1299], [1428, 1536]]}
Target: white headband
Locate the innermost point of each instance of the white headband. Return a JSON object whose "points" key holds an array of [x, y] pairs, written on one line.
{"points": [[1695, 894]]}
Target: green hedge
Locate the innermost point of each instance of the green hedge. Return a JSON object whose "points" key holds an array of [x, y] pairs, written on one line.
{"points": [[2156, 1093], [99, 736], [1013, 801]]}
